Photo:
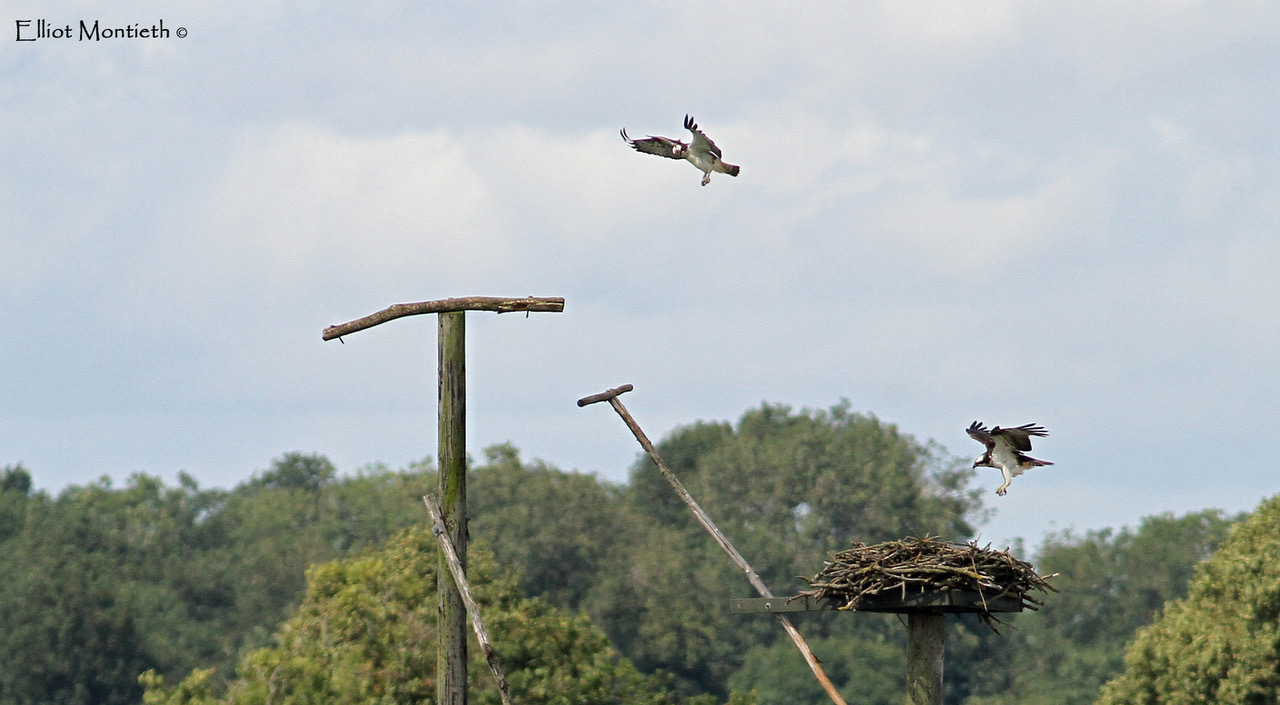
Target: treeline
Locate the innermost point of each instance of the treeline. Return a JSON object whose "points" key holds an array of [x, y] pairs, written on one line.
{"points": [[103, 583], [1221, 643]]}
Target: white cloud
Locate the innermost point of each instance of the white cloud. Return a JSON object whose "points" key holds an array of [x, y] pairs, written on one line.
{"points": [[981, 236], [300, 201], [950, 26]]}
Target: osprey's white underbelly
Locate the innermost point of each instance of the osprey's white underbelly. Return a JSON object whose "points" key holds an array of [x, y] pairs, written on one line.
{"points": [[1006, 458], [704, 161]]}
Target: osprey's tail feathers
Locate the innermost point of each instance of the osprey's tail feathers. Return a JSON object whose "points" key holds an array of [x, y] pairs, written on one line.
{"points": [[731, 169], [1033, 462]]}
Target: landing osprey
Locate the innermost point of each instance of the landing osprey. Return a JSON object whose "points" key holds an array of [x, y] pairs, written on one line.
{"points": [[1005, 448], [703, 153]]}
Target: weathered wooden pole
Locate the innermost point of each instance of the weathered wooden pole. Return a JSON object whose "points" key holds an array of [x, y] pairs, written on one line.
{"points": [[451, 658], [926, 642]]}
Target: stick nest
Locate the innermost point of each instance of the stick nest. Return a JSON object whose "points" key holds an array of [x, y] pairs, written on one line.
{"points": [[917, 565]]}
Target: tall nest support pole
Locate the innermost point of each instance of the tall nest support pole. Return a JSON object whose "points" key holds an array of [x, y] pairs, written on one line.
{"points": [[451, 664]]}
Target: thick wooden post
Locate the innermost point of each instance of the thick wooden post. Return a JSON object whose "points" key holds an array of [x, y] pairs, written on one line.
{"points": [[451, 657], [926, 640]]}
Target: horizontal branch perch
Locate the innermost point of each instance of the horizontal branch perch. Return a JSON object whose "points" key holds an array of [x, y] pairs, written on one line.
{"points": [[605, 395], [500, 304]]}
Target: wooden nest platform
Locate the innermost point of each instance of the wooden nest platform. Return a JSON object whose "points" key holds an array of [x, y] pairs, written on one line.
{"points": [[927, 575]]}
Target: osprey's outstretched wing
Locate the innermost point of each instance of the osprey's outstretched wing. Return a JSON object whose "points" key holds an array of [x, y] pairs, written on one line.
{"points": [[701, 143], [1020, 437], [981, 434], [661, 146]]}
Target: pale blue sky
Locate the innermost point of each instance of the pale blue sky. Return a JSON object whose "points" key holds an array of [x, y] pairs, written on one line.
{"points": [[1052, 212]]}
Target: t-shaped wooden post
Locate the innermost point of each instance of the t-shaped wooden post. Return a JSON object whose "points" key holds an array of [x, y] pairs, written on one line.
{"points": [[451, 658]]}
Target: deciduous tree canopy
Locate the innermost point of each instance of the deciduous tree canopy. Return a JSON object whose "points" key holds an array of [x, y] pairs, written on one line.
{"points": [[1221, 643], [365, 633], [1109, 583]]}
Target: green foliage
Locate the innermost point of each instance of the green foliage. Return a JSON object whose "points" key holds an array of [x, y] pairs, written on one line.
{"points": [[90, 596], [15, 478], [870, 671], [365, 633], [1221, 643], [1109, 584], [15, 490], [555, 529], [267, 532], [104, 583], [296, 470], [820, 477], [120, 580]]}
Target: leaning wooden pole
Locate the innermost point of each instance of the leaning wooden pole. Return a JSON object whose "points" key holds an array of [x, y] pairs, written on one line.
{"points": [[450, 553], [451, 656], [815, 665]]}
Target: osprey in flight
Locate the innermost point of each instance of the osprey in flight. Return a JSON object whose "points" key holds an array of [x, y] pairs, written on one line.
{"points": [[703, 153], [1005, 448]]}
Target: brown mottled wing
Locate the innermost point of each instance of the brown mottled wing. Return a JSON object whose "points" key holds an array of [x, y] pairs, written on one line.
{"points": [[981, 434], [1020, 436], [661, 146], [701, 142]]}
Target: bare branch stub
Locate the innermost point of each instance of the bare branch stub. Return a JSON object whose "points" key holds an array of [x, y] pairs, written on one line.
{"points": [[499, 304]]}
